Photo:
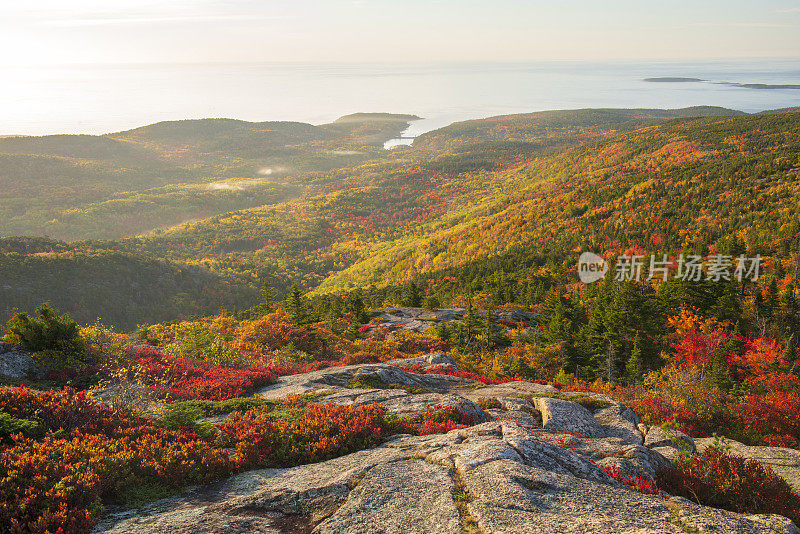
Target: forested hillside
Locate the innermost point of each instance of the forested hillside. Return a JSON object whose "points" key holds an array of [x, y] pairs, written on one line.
{"points": [[106, 187], [122, 289], [522, 190], [690, 184]]}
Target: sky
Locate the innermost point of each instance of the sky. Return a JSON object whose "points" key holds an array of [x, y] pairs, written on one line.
{"points": [[35, 32]]}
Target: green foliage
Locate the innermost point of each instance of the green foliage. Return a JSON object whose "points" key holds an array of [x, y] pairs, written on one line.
{"points": [[48, 331], [296, 306], [10, 425]]}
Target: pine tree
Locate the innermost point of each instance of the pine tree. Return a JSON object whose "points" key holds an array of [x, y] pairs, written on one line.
{"points": [[555, 327], [771, 303], [432, 302], [569, 355], [412, 296], [634, 369], [615, 336], [355, 305], [296, 306], [615, 359], [719, 372], [779, 270]]}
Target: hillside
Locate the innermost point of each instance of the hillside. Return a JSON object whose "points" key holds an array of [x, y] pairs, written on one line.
{"points": [[604, 180], [688, 184], [105, 187], [122, 289]]}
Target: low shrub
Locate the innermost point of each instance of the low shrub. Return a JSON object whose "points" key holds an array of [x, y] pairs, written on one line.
{"points": [[719, 479], [441, 419], [322, 431], [642, 485], [489, 403], [182, 379], [56, 473]]}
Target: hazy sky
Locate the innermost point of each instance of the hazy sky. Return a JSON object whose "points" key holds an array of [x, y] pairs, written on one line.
{"points": [[103, 31]]}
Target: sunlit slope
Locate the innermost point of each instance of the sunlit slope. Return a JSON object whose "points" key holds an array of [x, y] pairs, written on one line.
{"points": [[692, 183], [366, 208], [557, 128]]}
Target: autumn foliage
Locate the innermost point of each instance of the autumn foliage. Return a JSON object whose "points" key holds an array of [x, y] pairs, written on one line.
{"points": [[716, 478]]}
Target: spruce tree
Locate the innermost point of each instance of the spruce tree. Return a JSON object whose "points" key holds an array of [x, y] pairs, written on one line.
{"points": [[412, 296], [634, 369], [267, 295], [569, 355], [771, 304], [296, 307]]}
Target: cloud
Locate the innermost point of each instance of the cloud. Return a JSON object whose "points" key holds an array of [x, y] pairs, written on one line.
{"points": [[789, 10]]}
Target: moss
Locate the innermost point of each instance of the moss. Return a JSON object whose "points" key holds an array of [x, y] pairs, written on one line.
{"points": [[462, 498], [488, 403], [362, 382]]}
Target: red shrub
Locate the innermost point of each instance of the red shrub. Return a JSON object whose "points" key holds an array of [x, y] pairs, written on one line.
{"points": [[441, 419], [773, 415], [57, 483], [653, 410], [742, 485], [642, 485], [183, 379], [696, 348], [323, 431]]}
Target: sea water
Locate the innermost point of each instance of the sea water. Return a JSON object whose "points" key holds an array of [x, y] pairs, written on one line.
{"points": [[107, 98]]}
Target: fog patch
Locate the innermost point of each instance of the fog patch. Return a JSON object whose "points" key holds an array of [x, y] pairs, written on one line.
{"points": [[232, 185]]}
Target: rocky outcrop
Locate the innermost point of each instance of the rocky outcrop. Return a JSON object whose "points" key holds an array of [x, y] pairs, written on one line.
{"points": [[15, 362], [420, 319], [429, 361], [494, 477], [536, 468], [669, 443]]}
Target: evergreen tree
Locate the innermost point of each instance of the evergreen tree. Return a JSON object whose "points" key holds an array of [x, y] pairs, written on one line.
{"points": [[412, 296], [771, 304], [779, 272], [555, 327], [719, 372], [614, 325], [634, 369], [355, 305], [296, 306], [569, 355], [432, 302]]}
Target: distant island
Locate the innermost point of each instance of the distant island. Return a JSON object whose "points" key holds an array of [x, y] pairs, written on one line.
{"points": [[760, 85], [668, 79], [675, 79]]}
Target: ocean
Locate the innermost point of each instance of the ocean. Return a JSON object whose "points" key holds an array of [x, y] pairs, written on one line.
{"points": [[107, 98]]}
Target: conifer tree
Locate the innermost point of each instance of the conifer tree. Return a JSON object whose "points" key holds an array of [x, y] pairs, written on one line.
{"points": [[296, 306], [635, 366]]}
